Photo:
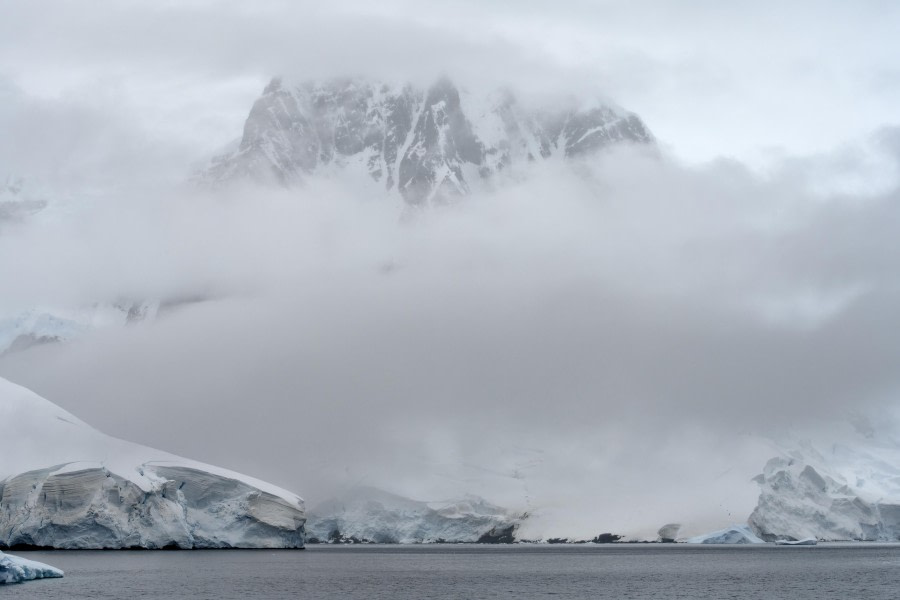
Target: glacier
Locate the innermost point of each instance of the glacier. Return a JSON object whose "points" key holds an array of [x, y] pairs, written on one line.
{"points": [[429, 145], [63, 484], [367, 514], [14, 569]]}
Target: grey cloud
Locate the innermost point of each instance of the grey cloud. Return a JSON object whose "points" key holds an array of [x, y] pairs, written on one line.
{"points": [[572, 326], [796, 77]]}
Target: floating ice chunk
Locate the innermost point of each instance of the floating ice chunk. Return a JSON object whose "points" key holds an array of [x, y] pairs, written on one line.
{"points": [[14, 569], [803, 542], [736, 534]]}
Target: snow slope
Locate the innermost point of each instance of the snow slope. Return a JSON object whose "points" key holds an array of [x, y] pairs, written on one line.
{"points": [[64, 484], [14, 569], [370, 514]]}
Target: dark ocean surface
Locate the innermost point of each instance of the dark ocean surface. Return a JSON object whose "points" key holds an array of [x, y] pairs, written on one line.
{"points": [[467, 571]]}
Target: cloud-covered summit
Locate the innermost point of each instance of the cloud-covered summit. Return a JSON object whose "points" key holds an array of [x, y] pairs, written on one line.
{"points": [[427, 144]]}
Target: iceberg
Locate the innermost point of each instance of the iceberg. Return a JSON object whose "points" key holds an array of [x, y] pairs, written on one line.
{"points": [[63, 484], [803, 542], [736, 534], [14, 569], [668, 532], [367, 514]]}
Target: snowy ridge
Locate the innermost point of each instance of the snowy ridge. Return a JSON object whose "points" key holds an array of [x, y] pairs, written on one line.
{"points": [[14, 569], [64, 484], [368, 514], [429, 145]]}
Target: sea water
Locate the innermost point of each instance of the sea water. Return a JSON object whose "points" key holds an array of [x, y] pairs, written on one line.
{"points": [[473, 571]]}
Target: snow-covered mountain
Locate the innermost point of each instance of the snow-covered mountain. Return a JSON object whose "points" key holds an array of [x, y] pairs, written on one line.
{"points": [[368, 514], [428, 145], [63, 484]]}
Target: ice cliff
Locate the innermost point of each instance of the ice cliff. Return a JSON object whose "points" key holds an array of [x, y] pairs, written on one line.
{"points": [[367, 514], [427, 144], [844, 486], [63, 484], [845, 492]]}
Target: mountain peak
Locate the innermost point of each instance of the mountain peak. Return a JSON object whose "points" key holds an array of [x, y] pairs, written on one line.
{"points": [[429, 145]]}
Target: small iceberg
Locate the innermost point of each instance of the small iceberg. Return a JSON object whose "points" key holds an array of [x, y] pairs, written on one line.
{"points": [[14, 569], [803, 542], [736, 534]]}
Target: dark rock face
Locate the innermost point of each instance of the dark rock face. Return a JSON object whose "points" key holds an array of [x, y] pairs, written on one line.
{"points": [[429, 146], [499, 535], [607, 538]]}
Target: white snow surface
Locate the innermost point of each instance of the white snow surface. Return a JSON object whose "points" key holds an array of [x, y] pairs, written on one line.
{"points": [[373, 515], [736, 534], [64, 484], [14, 569]]}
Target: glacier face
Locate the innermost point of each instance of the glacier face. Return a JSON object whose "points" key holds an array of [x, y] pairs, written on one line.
{"points": [[64, 484], [368, 514], [429, 145], [849, 490], [14, 569]]}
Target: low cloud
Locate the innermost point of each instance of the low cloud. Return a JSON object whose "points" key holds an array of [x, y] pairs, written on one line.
{"points": [[570, 342]]}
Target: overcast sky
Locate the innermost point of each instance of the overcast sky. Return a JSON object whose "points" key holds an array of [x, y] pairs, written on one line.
{"points": [[640, 320], [752, 80]]}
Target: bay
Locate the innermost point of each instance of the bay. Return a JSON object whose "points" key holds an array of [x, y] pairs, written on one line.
{"points": [[475, 571]]}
